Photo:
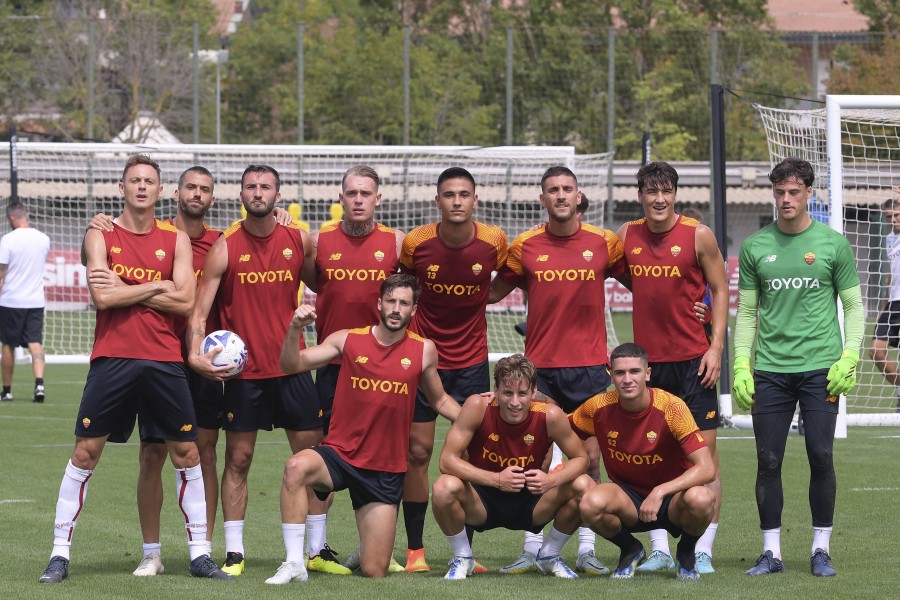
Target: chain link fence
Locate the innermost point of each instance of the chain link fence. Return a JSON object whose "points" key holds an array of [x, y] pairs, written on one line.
{"points": [[347, 81]]}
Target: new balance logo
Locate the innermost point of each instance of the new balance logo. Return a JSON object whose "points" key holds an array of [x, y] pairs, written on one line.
{"points": [[543, 258], [244, 258], [362, 359], [335, 256]]}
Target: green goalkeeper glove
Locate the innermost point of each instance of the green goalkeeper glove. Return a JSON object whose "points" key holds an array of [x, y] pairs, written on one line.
{"points": [[842, 374], [742, 388]]}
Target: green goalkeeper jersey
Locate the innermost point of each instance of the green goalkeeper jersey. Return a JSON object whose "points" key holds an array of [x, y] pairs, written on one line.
{"points": [[798, 277]]}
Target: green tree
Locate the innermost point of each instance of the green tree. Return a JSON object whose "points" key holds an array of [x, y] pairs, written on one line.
{"points": [[17, 77], [142, 54], [664, 70], [353, 72], [884, 15], [866, 70]]}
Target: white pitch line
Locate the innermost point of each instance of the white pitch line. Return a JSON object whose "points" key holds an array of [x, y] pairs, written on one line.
{"points": [[15, 501], [874, 489], [30, 418]]}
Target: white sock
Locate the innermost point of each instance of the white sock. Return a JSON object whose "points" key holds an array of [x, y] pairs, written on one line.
{"points": [[151, 548], [533, 542], [315, 533], [554, 542], [822, 538], [556, 458], [772, 541], [234, 536], [659, 540], [587, 539], [72, 494], [705, 543], [459, 544], [293, 534], [209, 547], [192, 502]]}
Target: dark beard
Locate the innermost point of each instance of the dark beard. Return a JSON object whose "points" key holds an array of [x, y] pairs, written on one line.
{"points": [[393, 328], [193, 211], [259, 212]]}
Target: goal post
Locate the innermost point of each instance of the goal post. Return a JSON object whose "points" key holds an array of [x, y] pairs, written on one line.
{"points": [[854, 146], [64, 185]]}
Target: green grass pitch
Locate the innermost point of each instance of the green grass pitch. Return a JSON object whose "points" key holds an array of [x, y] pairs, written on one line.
{"points": [[37, 440]]}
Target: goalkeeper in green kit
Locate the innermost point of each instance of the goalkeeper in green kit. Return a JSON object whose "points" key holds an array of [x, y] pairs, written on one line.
{"points": [[791, 274]]}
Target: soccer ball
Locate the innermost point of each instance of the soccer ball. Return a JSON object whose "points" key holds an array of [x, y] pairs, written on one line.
{"points": [[234, 351]]}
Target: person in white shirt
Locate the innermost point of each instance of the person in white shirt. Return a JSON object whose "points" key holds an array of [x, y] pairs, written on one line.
{"points": [[23, 253], [887, 330]]}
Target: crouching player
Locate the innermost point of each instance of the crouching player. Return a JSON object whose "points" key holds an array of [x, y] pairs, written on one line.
{"points": [[656, 459], [492, 477]]}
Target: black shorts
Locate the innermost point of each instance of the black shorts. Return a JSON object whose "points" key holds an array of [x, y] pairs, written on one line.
{"points": [[680, 378], [662, 516], [21, 326], [209, 400], [118, 389], [508, 510], [781, 392], [326, 384], [888, 326], [366, 486], [459, 383], [288, 402], [207, 396], [571, 386]]}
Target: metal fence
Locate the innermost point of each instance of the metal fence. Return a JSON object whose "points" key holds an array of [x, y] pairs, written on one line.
{"points": [[342, 82]]}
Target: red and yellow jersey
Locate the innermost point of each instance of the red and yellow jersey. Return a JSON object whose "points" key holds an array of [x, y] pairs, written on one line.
{"points": [[565, 280], [374, 400], [349, 272], [455, 285], [640, 450], [200, 247], [258, 293], [138, 331], [497, 444], [666, 280]]}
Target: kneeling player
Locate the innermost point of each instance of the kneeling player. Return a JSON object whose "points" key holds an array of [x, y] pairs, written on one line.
{"points": [[492, 477], [382, 366], [657, 460]]}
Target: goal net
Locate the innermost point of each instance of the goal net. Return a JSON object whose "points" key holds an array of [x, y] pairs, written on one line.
{"points": [[854, 146], [64, 185]]}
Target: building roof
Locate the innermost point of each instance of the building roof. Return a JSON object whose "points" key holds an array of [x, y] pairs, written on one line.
{"points": [[816, 15], [145, 129]]}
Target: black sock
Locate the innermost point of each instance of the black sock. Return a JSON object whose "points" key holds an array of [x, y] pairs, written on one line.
{"points": [[38, 381], [7, 389], [684, 552], [629, 545], [470, 533], [414, 520]]}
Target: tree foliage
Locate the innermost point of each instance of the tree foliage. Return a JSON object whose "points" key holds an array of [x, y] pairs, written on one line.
{"points": [[866, 70], [142, 51], [884, 15], [353, 71]]}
